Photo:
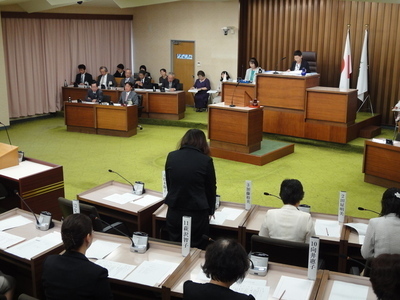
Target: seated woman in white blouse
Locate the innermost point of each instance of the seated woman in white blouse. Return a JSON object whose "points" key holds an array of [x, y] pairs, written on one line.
{"points": [[288, 222], [382, 235]]}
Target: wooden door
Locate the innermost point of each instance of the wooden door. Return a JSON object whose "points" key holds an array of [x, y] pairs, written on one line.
{"points": [[183, 66]]}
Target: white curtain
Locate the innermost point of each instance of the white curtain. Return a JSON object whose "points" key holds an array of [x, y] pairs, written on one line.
{"points": [[41, 53]]}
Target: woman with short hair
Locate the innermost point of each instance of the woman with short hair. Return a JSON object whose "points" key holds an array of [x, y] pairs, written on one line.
{"points": [[202, 85]]}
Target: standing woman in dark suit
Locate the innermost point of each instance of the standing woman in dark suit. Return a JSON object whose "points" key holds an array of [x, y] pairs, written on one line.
{"points": [[71, 275], [202, 85], [191, 187], [299, 63]]}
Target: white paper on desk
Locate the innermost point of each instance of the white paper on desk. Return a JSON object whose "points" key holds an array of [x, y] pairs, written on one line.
{"points": [[24, 169], [147, 200], [151, 273], [327, 228], [100, 249], [361, 229], [13, 222], [36, 245], [218, 218], [343, 291], [115, 269], [122, 198], [255, 287], [294, 288], [7, 240], [193, 91], [232, 213]]}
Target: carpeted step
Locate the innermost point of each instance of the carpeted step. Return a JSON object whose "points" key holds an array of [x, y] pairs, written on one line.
{"points": [[369, 132]]}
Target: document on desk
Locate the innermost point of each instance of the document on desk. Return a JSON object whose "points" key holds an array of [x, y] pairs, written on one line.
{"points": [[35, 246], [115, 269], [343, 291], [100, 249], [361, 229], [327, 228], [224, 214], [293, 288], [7, 240], [152, 273], [24, 169], [122, 198], [256, 287], [148, 200], [14, 222]]}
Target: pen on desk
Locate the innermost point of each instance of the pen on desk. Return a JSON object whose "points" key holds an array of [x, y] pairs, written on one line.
{"points": [[282, 294], [327, 233]]}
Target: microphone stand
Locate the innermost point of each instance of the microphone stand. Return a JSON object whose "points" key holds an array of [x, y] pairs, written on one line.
{"points": [[276, 72], [111, 171]]}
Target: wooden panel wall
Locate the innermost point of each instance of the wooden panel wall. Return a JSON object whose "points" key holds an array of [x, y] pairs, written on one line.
{"points": [[272, 29]]}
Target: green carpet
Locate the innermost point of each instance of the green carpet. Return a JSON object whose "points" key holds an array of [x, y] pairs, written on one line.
{"points": [[323, 168]]}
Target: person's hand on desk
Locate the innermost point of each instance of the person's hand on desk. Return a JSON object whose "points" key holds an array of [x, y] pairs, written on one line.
{"points": [[94, 100], [139, 83]]}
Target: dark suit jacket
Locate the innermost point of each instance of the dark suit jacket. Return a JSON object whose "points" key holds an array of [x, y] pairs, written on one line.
{"points": [[131, 79], [146, 85], [304, 64], [91, 96], [88, 78], [73, 276], [119, 75], [175, 84], [191, 180], [209, 291], [109, 78]]}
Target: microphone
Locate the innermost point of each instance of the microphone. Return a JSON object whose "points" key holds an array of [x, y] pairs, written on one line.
{"points": [[5, 127], [362, 208], [111, 171], [354, 260], [233, 94], [93, 217], [276, 72], [268, 194], [207, 238]]}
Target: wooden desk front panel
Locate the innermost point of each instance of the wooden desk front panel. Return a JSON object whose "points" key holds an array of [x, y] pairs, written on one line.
{"points": [[325, 105], [81, 115], [116, 117], [243, 127], [242, 93], [284, 121], [166, 103], [382, 163], [284, 91], [74, 93]]}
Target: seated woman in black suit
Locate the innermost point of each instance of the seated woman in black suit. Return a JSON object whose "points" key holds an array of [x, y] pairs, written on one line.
{"points": [[226, 262], [299, 63], [72, 275]]}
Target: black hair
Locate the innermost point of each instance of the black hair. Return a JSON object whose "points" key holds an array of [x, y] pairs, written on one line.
{"points": [[121, 66], [254, 61], [74, 229], [82, 66], [129, 83], [391, 202], [142, 72], [143, 67], [195, 138], [201, 73], [385, 276], [226, 261], [227, 75], [291, 191], [163, 70], [297, 53]]}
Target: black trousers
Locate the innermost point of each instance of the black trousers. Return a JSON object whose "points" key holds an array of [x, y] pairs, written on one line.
{"points": [[200, 225]]}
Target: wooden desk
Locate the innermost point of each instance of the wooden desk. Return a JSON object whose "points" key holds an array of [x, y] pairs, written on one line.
{"points": [[137, 217], [40, 184], [381, 164], [229, 228], [28, 273], [101, 119], [239, 94], [236, 129], [329, 277], [275, 271]]}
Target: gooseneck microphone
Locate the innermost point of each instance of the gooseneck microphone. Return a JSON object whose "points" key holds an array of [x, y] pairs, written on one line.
{"points": [[26, 204], [233, 94], [354, 260], [5, 127], [207, 238], [268, 194], [111, 171], [362, 208], [276, 68]]}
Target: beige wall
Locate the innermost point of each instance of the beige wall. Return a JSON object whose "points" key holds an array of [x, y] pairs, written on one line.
{"points": [[155, 26]]}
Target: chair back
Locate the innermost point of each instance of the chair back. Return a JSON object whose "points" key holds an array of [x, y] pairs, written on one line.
{"points": [[311, 58], [140, 105], [106, 98]]}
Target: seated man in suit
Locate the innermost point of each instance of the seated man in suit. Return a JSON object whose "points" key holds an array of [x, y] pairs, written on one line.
{"points": [[128, 78], [94, 94], [143, 82], [104, 79], [120, 73], [299, 63], [128, 97], [288, 222], [171, 82], [82, 76]]}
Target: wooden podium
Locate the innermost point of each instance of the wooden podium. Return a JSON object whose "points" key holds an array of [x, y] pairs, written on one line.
{"points": [[8, 156], [238, 94]]}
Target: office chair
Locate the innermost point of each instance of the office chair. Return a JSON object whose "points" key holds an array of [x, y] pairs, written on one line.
{"points": [[140, 109], [106, 98], [282, 251], [26, 297], [311, 58], [92, 213]]}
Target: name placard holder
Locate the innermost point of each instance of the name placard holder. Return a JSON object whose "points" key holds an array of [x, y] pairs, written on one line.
{"points": [[313, 254], [164, 184], [342, 206], [186, 234], [247, 194], [75, 207]]}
